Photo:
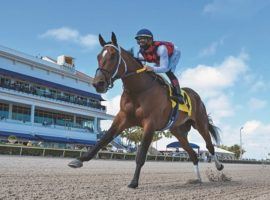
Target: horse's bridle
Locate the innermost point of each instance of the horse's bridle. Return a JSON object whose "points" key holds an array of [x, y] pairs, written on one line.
{"points": [[116, 68], [114, 76]]}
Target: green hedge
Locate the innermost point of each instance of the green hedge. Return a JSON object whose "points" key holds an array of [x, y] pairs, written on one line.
{"points": [[151, 157], [54, 152], [160, 158], [168, 158], [118, 156], [32, 151], [176, 158], [104, 155], [72, 154], [130, 157], [8, 150]]}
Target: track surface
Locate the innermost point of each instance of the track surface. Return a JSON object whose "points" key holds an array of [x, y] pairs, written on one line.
{"points": [[29, 178]]}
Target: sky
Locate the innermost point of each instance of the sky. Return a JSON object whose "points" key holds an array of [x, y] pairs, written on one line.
{"points": [[225, 46]]}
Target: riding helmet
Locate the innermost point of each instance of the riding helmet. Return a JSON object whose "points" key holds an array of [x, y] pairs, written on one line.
{"points": [[144, 33]]}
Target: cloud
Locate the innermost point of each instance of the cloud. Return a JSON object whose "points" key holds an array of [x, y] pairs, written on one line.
{"points": [[256, 137], [257, 82], [220, 107], [251, 126], [211, 49], [235, 8], [89, 40], [71, 35], [256, 104], [258, 86], [256, 128], [210, 81], [213, 83], [113, 107], [63, 33]]}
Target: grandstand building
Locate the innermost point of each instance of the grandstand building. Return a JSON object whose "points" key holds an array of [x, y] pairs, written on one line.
{"points": [[47, 100]]}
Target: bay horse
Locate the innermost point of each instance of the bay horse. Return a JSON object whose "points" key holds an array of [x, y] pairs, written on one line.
{"points": [[146, 103]]}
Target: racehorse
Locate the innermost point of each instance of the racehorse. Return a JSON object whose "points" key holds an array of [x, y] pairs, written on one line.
{"points": [[146, 103]]}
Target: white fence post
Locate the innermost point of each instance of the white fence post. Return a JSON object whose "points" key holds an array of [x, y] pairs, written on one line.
{"points": [[21, 151]]}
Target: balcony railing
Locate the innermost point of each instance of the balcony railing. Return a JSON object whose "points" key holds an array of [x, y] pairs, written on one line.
{"points": [[67, 126], [34, 91]]}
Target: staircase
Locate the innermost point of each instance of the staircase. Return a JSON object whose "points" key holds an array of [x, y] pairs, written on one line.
{"points": [[117, 145], [153, 151]]}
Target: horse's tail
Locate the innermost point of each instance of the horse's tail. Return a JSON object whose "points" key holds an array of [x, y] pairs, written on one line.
{"points": [[214, 130]]}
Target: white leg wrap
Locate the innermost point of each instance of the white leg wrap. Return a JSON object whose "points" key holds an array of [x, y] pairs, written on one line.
{"points": [[197, 172]]}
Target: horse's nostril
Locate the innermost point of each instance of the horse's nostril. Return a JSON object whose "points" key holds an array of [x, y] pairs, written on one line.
{"points": [[101, 84]]}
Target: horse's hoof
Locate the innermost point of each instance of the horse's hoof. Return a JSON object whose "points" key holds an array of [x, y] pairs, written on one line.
{"points": [[133, 185], [75, 163], [220, 168]]}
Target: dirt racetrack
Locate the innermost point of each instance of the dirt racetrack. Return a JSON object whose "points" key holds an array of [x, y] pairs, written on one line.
{"points": [[29, 178]]}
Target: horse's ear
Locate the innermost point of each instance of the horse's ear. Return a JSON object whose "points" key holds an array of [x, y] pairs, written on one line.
{"points": [[114, 40], [101, 40]]}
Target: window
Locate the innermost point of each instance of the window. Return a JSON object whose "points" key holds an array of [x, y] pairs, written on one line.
{"points": [[49, 118], [53, 93], [21, 113], [87, 123], [3, 111], [5, 81], [41, 90]]}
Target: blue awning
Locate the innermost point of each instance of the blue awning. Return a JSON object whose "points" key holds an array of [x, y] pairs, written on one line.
{"points": [[49, 84], [178, 145], [47, 138]]}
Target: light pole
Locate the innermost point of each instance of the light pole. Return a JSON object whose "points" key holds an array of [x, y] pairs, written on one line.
{"points": [[241, 151]]}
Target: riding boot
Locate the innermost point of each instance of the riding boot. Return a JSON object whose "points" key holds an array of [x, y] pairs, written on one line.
{"points": [[176, 87], [177, 91]]}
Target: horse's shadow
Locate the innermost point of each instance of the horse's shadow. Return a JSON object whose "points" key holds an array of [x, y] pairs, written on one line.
{"points": [[172, 185]]}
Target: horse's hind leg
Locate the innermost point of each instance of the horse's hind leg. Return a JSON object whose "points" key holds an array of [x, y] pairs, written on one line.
{"points": [[181, 134], [203, 128]]}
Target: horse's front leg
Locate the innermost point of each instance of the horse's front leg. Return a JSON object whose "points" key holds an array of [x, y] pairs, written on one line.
{"points": [[119, 124], [141, 154]]}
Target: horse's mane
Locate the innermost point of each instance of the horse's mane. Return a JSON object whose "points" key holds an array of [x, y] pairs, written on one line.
{"points": [[131, 53]]}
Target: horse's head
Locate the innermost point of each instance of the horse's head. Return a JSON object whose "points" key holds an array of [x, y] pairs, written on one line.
{"points": [[109, 61]]}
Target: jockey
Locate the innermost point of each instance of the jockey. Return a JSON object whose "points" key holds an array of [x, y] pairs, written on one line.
{"points": [[165, 56]]}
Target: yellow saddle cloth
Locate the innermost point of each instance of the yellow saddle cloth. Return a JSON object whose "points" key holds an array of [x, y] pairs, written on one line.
{"points": [[186, 106]]}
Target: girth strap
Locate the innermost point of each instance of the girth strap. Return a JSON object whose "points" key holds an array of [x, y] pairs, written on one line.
{"points": [[173, 117]]}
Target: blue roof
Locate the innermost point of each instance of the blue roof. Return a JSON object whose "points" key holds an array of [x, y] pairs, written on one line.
{"points": [[49, 84], [178, 145], [48, 138]]}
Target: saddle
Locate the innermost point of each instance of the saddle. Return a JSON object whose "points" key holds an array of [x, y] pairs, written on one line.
{"points": [[176, 106], [186, 106]]}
